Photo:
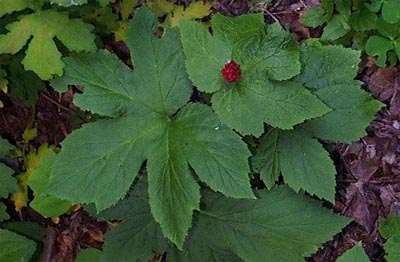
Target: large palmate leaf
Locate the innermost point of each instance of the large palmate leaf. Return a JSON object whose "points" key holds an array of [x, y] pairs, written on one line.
{"points": [[265, 54], [150, 121], [280, 225], [14, 247], [42, 55], [138, 237], [297, 154]]}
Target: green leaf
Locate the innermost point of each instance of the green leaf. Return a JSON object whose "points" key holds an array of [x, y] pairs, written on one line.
{"points": [[355, 254], [42, 55], [8, 183], [391, 11], [89, 255], [314, 17], [353, 110], [266, 160], [23, 84], [386, 29], [46, 205], [3, 212], [27, 229], [5, 147], [107, 155], [390, 226], [264, 54], [306, 165], [138, 237], [205, 56], [10, 6], [378, 46], [14, 247], [68, 2], [363, 19], [326, 66], [274, 54], [248, 105], [108, 96], [390, 229], [336, 28], [281, 225], [104, 156]]}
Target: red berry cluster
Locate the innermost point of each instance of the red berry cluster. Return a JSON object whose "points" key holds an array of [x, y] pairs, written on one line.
{"points": [[231, 71]]}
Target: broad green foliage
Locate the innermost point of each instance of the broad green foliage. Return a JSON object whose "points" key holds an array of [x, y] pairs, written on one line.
{"points": [[42, 55], [48, 206], [280, 224], [265, 55], [14, 247], [390, 229], [138, 237], [303, 162], [355, 254], [364, 22], [106, 156]]}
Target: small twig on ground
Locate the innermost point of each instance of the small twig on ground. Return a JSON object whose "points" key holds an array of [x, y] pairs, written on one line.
{"points": [[57, 103]]}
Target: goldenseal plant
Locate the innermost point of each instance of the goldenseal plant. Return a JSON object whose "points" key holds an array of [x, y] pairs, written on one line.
{"points": [[193, 198]]}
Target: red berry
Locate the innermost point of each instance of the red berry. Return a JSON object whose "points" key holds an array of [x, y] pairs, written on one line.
{"points": [[231, 71]]}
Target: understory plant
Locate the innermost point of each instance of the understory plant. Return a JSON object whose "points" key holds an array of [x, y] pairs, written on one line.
{"points": [[175, 169], [370, 25]]}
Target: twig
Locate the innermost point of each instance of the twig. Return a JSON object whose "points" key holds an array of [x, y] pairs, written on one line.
{"points": [[58, 104]]}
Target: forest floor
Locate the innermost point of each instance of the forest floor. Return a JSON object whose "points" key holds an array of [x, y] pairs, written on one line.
{"points": [[368, 180]]}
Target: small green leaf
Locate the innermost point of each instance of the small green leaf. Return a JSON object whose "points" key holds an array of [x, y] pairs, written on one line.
{"points": [[390, 229], [363, 19], [3, 212], [46, 205], [391, 11], [5, 147], [378, 46], [355, 254], [336, 28], [314, 17], [42, 55], [8, 183], [14, 247], [280, 224]]}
